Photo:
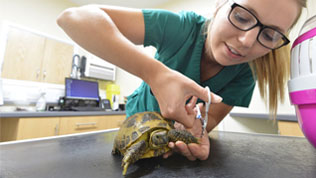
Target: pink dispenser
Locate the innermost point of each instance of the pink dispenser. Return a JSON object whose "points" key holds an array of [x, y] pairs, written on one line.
{"points": [[302, 86]]}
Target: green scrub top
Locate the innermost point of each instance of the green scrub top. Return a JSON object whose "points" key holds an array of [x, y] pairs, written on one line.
{"points": [[179, 39]]}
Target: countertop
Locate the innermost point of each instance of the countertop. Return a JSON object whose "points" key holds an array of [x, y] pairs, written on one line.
{"points": [[25, 114], [236, 155], [279, 117]]}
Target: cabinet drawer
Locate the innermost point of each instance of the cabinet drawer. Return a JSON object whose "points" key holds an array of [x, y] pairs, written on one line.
{"points": [[70, 125]]}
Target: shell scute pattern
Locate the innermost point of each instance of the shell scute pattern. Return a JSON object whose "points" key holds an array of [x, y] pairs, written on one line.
{"points": [[131, 122], [134, 135], [138, 124], [148, 117], [143, 129], [137, 137]]}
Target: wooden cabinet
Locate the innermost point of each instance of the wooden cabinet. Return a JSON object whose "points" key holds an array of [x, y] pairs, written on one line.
{"points": [[35, 57], [92, 123], [57, 61], [23, 55], [26, 128], [289, 129]]}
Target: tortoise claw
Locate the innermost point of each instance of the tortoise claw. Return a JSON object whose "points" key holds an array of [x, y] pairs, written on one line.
{"points": [[125, 166]]}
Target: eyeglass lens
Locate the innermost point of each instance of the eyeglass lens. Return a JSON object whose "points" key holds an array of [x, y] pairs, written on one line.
{"points": [[244, 20]]}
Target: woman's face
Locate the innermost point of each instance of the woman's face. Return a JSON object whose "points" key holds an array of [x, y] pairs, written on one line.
{"points": [[229, 45]]}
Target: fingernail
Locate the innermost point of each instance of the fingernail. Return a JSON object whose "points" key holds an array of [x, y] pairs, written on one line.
{"points": [[218, 99]]}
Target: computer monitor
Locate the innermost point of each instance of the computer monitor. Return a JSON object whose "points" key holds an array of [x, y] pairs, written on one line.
{"points": [[81, 89]]}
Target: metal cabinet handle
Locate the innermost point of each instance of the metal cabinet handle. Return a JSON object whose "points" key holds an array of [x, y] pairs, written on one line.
{"points": [[57, 130], [44, 74], [38, 71], [92, 124]]}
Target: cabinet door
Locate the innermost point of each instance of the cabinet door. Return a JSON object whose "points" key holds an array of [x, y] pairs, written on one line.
{"points": [[289, 129], [9, 128], [113, 121], [70, 125], [37, 127], [23, 55], [26, 128], [57, 61]]}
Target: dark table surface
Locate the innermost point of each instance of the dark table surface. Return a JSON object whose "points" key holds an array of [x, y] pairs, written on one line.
{"points": [[89, 156]]}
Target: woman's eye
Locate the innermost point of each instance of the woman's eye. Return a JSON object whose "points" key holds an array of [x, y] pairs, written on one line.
{"points": [[241, 19], [271, 36], [267, 37]]}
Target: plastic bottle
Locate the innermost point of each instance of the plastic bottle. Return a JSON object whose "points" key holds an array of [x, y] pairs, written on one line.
{"points": [[41, 102]]}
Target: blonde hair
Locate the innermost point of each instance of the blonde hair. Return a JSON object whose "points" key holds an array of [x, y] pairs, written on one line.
{"points": [[272, 70]]}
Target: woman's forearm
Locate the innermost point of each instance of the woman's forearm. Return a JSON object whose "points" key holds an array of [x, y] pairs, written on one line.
{"points": [[111, 34], [94, 30], [217, 113]]}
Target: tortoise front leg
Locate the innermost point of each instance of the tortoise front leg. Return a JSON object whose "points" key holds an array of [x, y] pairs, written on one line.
{"points": [[133, 154], [181, 135]]}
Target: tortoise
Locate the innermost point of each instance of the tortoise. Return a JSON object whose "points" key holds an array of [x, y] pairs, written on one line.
{"points": [[146, 135]]}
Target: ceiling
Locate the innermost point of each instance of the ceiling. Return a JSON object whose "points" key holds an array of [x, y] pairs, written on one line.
{"points": [[125, 3]]}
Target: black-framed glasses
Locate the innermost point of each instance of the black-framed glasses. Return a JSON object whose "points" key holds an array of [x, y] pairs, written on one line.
{"points": [[244, 20]]}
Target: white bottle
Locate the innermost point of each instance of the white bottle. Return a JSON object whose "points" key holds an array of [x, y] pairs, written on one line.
{"points": [[115, 100], [41, 102]]}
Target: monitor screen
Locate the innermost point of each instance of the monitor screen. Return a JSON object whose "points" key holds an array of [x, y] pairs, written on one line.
{"points": [[81, 89]]}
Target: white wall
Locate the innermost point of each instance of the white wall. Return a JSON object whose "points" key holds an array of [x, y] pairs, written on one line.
{"points": [[202, 7], [39, 15]]}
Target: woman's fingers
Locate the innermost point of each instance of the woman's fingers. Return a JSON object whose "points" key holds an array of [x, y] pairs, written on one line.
{"points": [[169, 153], [202, 93], [199, 151], [190, 107], [192, 151], [184, 150], [166, 155]]}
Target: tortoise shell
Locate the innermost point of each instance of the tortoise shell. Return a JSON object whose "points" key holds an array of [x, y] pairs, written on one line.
{"points": [[146, 135], [136, 126]]}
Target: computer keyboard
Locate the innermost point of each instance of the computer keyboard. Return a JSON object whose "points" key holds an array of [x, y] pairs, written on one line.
{"points": [[86, 108]]}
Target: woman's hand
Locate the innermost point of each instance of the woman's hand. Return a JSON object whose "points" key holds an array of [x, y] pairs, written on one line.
{"points": [[192, 151], [172, 90]]}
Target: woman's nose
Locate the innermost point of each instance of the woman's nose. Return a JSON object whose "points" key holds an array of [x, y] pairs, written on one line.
{"points": [[249, 38]]}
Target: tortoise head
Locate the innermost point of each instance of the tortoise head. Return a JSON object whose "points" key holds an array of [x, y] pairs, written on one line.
{"points": [[158, 138]]}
